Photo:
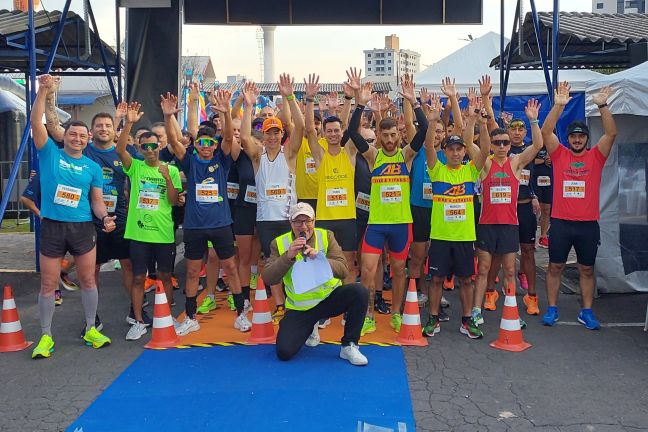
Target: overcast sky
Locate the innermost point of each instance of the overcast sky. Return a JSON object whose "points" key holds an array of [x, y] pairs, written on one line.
{"points": [[300, 50]]}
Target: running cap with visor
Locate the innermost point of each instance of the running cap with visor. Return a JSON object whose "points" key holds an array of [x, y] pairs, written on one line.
{"points": [[270, 123]]}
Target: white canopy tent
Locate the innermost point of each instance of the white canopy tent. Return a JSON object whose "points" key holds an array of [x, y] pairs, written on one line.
{"points": [[622, 262]]}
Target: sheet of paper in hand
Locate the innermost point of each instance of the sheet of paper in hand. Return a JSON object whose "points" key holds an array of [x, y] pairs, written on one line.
{"points": [[308, 274]]}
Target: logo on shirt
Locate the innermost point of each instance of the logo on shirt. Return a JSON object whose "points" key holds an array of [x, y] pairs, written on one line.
{"points": [[457, 190], [116, 163], [577, 165], [209, 180], [391, 169], [501, 174], [213, 168], [71, 168]]}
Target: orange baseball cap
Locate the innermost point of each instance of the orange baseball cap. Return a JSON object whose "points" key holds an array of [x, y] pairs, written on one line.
{"points": [[272, 122]]}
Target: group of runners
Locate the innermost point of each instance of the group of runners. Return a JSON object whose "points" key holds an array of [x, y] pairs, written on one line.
{"points": [[436, 193]]}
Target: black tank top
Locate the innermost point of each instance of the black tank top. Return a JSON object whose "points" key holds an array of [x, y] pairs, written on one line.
{"points": [[245, 171], [362, 179]]}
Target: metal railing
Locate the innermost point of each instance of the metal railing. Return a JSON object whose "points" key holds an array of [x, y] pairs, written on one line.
{"points": [[15, 209]]}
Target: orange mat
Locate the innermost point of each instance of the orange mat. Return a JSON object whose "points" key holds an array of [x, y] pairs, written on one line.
{"points": [[217, 327]]}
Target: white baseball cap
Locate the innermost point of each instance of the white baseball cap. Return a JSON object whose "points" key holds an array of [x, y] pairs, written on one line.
{"points": [[301, 208]]}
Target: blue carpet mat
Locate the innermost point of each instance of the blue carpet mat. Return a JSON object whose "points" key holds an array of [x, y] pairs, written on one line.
{"points": [[245, 388]]}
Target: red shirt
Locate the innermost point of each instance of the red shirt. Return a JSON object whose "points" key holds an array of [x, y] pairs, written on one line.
{"points": [[577, 184], [499, 195]]}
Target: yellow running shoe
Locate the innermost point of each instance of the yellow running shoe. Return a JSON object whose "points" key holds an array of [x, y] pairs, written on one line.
{"points": [[369, 326], [95, 339], [45, 347], [278, 314]]}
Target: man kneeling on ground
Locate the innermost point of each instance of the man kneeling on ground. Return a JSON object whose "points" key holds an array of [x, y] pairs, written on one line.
{"points": [[305, 309]]}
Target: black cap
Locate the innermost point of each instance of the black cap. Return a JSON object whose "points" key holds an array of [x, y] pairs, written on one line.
{"points": [[454, 139], [577, 127]]}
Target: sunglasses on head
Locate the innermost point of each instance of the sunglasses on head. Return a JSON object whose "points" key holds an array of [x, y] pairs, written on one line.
{"points": [[501, 143], [206, 142], [150, 146]]}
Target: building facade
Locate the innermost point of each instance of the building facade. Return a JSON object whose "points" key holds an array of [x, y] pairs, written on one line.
{"points": [[391, 61], [619, 6]]}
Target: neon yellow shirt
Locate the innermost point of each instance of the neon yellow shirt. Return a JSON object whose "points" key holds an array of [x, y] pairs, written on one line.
{"points": [[336, 193], [306, 172], [390, 190]]}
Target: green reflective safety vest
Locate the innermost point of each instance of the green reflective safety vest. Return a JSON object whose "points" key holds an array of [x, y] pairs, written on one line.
{"points": [[312, 298]]}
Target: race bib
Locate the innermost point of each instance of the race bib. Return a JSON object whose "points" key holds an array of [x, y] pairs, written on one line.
{"points": [[311, 168], [336, 197], [276, 192], [148, 200], [427, 191], [207, 193], [67, 195], [362, 201], [250, 195], [454, 212], [391, 194], [544, 181], [232, 190], [500, 194], [525, 175], [111, 203], [573, 189]]}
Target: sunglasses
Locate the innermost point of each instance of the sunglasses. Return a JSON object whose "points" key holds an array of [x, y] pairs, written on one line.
{"points": [[501, 143], [150, 146], [206, 142]]}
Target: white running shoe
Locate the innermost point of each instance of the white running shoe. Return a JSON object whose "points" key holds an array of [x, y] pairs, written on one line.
{"points": [[242, 323], [187, 326], [247, 306], [353, 355], [314, 338], [136, 331], [422, 299], [444, 303]]}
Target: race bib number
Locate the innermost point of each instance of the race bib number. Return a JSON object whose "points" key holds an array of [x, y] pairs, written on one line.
{"points": [[573, 189], [500, 194], [544, 181], [276, 192], [207, 193], [391, 194], [362, 201], [111, 203], [454, 212], [67, 195], [525, 175], [336, 197], [232, 190], [148, 200], [311, 168], [250, 195], [427, 191]]}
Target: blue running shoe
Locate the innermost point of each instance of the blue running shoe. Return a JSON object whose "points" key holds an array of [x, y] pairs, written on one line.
{"points": [[587, 318], [551, 317]]}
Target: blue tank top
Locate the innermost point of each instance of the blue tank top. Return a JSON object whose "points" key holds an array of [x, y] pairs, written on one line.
{"points": [[421, 189]]}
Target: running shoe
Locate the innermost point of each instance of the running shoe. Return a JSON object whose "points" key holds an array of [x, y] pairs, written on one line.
{"points": [[381, 306], [187, 326], [396, 321], [68, 283], [221, 285], [543, 242], [130, 319], [523, 324], [314, 338], [587, 318], [352, 353], [149, 285], [242, 323], [98, 325], [45, 347], [323, 323], [448, 284], [369, 326], [470, 329], [490, 300], [58, 298], [531, 303], [254, 279], [551, 317], [444, 303], [432, 327], [278, 314], [443, 316], [422, 299], [208, 304], [174, 283], [136, 331], [230, 302], [247, 306], [95, 339], [524, 282], [117, 265], [477, 316]]}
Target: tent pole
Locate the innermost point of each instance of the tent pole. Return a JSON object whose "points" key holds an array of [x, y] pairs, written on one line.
{"points": [[509, 58], [541, 49], [103, 53], [120, 90], [501, 61], [555, 49], [57, 38]]}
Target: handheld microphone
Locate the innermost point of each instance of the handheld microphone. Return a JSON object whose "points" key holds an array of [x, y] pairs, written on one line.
{"points": [[303, 235]]}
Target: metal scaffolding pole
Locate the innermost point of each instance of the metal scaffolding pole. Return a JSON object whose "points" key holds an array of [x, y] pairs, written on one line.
{"points": [[555, 48], [541, 50], [103, 54], [509, 58]]}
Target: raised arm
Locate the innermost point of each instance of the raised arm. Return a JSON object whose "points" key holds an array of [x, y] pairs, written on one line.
{"points": [[220, 101], [311, 89], [132, 116], [561, 99], [248, 142], [609, 126], [408, 113], [346, 106], [478, 154], [285, 114], [450, 90], [39, 132], [485, 88], [362, 96], [434, 109], [192, 109], [51, 116], [532, 110], [287, 87], [169, 105], [236, 108], [409, 94]]}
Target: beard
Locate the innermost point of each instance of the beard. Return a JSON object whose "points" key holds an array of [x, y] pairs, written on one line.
{"points": [[577, 151]]}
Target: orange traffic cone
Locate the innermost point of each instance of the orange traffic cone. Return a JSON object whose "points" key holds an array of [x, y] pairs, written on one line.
{"points": [[410, 331], [510, 334], [12, 337], [262, 330], [164, 334]]}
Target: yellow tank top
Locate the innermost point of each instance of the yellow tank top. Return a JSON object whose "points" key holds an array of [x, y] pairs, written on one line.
{"points": [[306, 173], [336, 194]]}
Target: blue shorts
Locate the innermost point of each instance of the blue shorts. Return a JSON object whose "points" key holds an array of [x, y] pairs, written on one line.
{"points": [[397, 237]]}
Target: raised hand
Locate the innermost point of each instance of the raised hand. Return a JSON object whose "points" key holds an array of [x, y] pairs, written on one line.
{"points": [[379, 102], [354, 78], [448, 87], [561, 95], [194, 92], [364, 94], [133, 115], [348, 91], [425, 96], [164, 170], [532, 109], [120, 111], [323, 106], [311, 87], [601, 98], [169, 104], [221, 101], [47, 82], [472, 92], [333, 102], [474, 106], [485, 86], [434, 109], [407, 89], [286, 85], [249, 93]]}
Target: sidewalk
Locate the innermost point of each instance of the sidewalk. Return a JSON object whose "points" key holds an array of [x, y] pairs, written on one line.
{"points": [[17, 253]]}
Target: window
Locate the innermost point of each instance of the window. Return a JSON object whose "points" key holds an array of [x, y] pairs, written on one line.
{"points": [[389, 68], [390, 54], [369, 55], [369, 69], [599, 5], [388, 61], [369, 62]]}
